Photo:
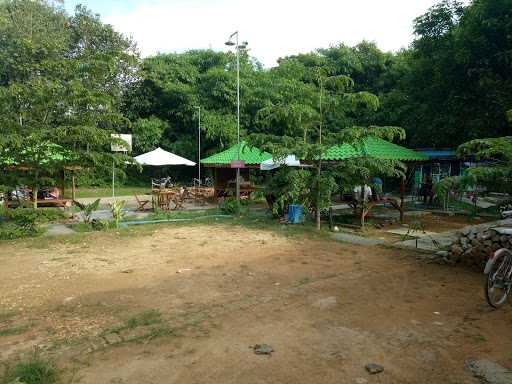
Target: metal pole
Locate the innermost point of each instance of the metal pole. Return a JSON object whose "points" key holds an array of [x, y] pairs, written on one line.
{"points": [[238, 121], [113, 180], [199, 146]]}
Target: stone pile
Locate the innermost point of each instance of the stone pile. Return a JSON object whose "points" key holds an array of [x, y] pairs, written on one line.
{"points": [[476, 244]]}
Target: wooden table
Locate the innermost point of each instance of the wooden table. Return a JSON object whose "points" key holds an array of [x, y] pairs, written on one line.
{"points": [[162, 198]]}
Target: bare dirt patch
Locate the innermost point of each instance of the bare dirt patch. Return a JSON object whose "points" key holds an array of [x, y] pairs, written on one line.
{"points": [[185, 304]]}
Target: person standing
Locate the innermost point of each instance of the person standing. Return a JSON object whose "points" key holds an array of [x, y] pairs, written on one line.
{"points": [[377, 188]]}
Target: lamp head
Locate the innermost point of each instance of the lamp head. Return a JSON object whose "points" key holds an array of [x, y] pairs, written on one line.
{"points": [[230, 43]]}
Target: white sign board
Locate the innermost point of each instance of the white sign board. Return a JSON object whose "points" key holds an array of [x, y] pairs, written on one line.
{"points": [[121, 148]]}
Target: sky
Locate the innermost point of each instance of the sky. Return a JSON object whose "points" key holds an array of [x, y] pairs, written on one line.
{"points": [[272, 28]]}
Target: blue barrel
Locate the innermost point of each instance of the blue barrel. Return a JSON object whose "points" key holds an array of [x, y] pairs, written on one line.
{"points": [[295, 215]]}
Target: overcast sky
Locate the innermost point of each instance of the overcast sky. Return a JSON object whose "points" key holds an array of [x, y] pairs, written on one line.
{"points": [[273, 28]]}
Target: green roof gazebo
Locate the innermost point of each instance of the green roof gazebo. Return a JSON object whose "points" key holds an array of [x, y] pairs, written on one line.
{"points": [[373, 147], [252, 157], [376, 148], [225, 175]]}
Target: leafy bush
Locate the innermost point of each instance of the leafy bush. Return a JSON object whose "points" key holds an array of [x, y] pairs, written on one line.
{"points": [[28, 215], [23, 222], [86, 210], [11, 231], [230, 207], [289, 186], [116, 208]]}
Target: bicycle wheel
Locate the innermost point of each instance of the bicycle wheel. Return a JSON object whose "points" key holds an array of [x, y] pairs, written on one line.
{"points": [[497, 285]]}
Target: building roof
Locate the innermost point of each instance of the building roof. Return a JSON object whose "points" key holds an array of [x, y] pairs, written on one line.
{"points": [[251, 156], [438, 153], [373, 147]]}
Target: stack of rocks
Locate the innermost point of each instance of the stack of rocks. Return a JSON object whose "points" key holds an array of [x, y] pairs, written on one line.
{"points": [[476, 244]]}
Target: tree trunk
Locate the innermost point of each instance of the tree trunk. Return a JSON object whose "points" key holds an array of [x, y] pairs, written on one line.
{"points": [[35, 190], [317, 208]]}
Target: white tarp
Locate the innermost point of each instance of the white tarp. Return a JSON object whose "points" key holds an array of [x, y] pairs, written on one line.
{"points": [[290, 161], [162, 157]]}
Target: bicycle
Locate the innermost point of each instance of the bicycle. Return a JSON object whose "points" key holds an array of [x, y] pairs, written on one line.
{"points": [[498, 271], [163, 183], [206, 182]]}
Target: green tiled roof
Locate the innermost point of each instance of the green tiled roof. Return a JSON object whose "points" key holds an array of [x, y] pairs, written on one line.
{"points": [[373, 147], [251, 155]]}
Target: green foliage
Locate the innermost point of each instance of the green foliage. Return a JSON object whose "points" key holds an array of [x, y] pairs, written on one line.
{"points": [[147, 133], [11, 231], [495, 174], [34, 371], [289, 186], [62, 78], [27, 215], [458, 86], [230, 207], [24, 222], [116, 207], [86, 210]]}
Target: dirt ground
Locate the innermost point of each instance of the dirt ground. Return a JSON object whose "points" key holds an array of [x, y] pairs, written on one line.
{"points": [[184, 304], [378, 227]]}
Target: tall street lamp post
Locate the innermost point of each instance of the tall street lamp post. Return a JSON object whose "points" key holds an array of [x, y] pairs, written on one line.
{"points": [[199, 145], [238, 47]]}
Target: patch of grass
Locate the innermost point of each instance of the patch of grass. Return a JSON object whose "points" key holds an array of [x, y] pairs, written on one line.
{"points": [[170, 215], [81, 227], [6, 316], [150, 317], [34, 371], [16, 330], [153, 316], [99, 192], [480, 338], [304, 281]]}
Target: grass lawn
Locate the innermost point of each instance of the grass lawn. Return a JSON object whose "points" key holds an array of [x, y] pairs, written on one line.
{"points": [[107, 191]]}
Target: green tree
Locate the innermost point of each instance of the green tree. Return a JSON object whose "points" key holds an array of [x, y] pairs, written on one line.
{"points": [[62, 78]]}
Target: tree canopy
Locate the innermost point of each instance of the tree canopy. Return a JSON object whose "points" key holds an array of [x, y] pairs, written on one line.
{"points": [[71, 80]]}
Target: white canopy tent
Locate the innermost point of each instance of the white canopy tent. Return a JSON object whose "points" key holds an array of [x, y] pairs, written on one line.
{"points": [[160, 157], [290, 161]]}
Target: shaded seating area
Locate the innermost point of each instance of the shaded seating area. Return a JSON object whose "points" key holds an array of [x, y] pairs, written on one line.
{"points": [[225, 176], [50, 196], [376, 148], [163, 192]]}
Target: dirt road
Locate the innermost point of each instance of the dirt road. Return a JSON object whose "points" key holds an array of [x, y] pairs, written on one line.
{"points": [[185, 304]]}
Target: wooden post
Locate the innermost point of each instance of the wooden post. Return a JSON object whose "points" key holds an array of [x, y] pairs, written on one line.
{"points": [[63, 184], [73, 187], [402, 198]]}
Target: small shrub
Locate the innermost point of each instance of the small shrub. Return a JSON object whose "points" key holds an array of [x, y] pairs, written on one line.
{"points": [[34, 371], [86, 210], [11, 230], [116, 208], [99, 225], [230, 207], [24, 216]]}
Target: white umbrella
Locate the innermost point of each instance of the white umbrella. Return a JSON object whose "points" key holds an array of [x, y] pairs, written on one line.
{"points": [[290, 161], [162, 157]]}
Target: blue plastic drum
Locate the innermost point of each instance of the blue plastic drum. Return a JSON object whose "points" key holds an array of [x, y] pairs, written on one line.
{"points": [[295, 214]]}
